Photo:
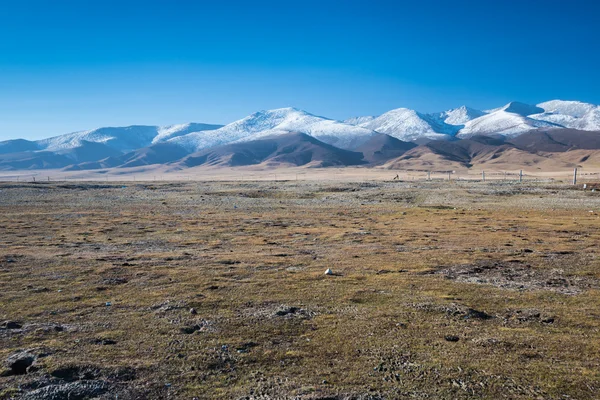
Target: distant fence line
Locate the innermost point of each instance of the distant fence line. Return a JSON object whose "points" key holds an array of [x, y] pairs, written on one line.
{"points": [[574, 176]]}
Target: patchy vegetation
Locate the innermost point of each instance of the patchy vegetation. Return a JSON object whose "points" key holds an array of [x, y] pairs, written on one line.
{"points": [[218, 291]]}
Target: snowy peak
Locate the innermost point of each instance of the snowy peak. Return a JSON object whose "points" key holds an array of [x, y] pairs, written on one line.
{"points": [[576, 109], [570, 114], [406, 124], [511, 120], [461, 115]]}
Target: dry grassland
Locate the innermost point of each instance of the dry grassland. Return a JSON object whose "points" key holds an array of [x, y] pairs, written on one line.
{"points": [[216, 290]]}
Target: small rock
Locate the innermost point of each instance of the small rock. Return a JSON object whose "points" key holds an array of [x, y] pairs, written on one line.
{"points": [[105, 342], [193, 311], [108, 304], [452, 338], [188, 330], [328, 272]]}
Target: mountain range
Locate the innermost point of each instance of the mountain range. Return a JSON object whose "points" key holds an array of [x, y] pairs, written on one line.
{"points": [[399, 138]]}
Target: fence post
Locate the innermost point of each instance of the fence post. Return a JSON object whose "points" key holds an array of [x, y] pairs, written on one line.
{"points": [[520, 176], [428, 175], [483, 175], [575, 176]]}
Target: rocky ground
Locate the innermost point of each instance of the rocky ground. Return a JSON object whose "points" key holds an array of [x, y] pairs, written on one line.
{"points": [[216, 290]]}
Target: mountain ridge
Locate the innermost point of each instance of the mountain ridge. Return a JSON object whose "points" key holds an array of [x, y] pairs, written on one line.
{"points": [[145, 145]]}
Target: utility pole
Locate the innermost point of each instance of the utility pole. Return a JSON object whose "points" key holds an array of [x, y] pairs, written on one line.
{"points": [[575, 176], [483, 175], [520, 176], [428, 175]]}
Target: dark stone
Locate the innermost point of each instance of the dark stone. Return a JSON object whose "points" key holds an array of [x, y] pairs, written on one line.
{"points": [[188, 330], [19, 362], [452, 338], [287, 311], [10, 325], [476, 314]]}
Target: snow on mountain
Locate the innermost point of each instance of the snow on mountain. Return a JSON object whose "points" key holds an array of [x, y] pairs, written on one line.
{"points": [[407, 125], [123, 139], [570, 114], [461, 115], [359, 120], [275, 122], [165, 133], [575, 109], [510, 120]]}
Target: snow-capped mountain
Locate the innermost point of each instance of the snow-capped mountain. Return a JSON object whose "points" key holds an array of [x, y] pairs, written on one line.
{"points": [[275, 122], [142, 145], [407, 125], [570, 114], [510, 120], [123, 139], [460, 116]]}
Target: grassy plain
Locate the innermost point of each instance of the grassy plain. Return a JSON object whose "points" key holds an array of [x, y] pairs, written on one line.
{"points": [[216, 290]]}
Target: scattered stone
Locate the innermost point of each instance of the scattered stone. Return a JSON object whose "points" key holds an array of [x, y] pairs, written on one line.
{"points": [[328, 272], [193, 311], [72, 391], [451, 338], [114, 281]]}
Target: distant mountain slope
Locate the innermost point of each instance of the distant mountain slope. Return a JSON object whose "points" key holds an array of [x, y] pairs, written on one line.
{"points": [[478, 151], [557, 140], [297, 149], [159, 153], [17, 146], [33, 160], [382, 147], [274, 122]]}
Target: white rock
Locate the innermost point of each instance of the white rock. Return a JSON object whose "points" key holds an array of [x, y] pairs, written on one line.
{"points": [[329, 272]]}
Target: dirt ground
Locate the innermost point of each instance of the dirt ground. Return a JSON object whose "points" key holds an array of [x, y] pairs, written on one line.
{"points": [[216, 290]]}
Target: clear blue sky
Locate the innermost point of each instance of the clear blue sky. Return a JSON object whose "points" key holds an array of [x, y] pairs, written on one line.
{"points": [[73, 65]]}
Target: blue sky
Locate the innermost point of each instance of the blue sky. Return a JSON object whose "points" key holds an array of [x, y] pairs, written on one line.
{"points": [[74, 65]]}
